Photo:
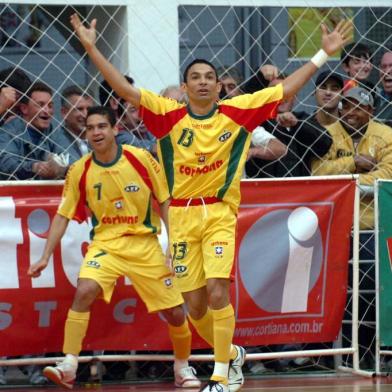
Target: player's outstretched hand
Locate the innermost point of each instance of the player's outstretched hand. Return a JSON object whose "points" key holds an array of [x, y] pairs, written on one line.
{"points": [[36, 268], [86, 35], [336, 39]]}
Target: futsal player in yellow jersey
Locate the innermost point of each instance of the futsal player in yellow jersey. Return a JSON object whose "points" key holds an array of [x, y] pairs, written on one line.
{"points": [[117, 183], [202, 147]]}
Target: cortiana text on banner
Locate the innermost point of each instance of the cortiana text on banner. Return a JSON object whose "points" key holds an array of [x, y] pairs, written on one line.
{"points": [[289, 279]]}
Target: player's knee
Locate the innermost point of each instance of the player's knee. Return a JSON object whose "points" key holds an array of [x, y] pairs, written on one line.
{"points": [[174, 316], [84, 297], [218, 296]]}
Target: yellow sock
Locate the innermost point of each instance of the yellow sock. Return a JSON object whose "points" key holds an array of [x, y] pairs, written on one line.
{"points": [[224, 323], [75, 331], [204, 327], [181, 338]]}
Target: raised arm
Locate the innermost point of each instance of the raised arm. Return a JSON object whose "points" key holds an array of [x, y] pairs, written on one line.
{"points": [[111, 74], [331, 42]]}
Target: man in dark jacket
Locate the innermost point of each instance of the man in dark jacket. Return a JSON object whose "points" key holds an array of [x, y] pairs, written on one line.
{"points": [[304, 137]]}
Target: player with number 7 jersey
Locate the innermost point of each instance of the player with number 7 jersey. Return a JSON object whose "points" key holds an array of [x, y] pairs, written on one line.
{"points": [[117, 184]]}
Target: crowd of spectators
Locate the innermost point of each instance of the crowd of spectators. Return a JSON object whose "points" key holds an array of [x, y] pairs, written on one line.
{"points": [[349, 130]]}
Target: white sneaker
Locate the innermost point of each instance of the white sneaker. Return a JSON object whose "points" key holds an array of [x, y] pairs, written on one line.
{"points": [[186, 378], [236, 378], [63, 374], [215, 386]]}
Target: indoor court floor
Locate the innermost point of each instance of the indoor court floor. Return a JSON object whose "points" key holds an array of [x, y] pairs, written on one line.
{"points": [[343, 383]]}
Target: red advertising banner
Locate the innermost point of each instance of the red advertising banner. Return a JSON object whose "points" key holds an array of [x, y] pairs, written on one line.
{"points": [[292, 267], [290, 275]]}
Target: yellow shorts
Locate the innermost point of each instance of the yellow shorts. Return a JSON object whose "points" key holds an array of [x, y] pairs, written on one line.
{"points": [[202, 240], [139, 258]]}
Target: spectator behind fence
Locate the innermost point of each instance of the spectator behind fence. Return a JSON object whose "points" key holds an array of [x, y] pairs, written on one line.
{"points": [[133, 125], [329, 87], [231, 79], [356, 61], [71, 136], [384, 106], [25, 147], [264, 145], [174, 92], [14, 84], [304, 137], [109, 98], [360, 145]]}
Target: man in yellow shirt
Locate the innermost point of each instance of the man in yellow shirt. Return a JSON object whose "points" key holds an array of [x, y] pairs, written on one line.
{"points": [[117, 183], [360, 146], [202, 147]]}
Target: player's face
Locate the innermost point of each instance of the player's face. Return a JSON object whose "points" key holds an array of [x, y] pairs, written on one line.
{"points": [[328, 95], [202, 84], [358, 68], [386, 72], [355, 116], [75, 113], [39, 110], [100, 134]]}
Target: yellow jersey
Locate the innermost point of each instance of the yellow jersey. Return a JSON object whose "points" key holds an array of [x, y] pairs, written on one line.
{"points": [[118, 194], [204, 156]]}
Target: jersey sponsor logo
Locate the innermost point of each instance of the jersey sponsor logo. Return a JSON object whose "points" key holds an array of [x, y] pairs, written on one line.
{"points": [[195, 171], [118, 219], [342, 153], [153, 162], [110, 172], [93, 264], [180, 269], [219, 243], [202, 126], [219, 251], [132, 188], [225, 136]]}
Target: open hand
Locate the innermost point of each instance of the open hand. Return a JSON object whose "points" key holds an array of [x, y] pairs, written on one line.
{"points": [[86, 35], [338, 38]]}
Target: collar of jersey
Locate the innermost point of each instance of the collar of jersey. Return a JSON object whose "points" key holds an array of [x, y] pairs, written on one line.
{"points": [[113, 162], [205, 116]]}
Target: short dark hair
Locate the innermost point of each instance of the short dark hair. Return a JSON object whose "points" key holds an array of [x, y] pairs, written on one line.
{"points": [[355, 49], [198, 61], [103, 111], [16, 78], [106, 92], [70, 91], [39, 86]]}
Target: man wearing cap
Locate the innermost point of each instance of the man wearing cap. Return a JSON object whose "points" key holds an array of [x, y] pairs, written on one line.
{"points": [[327, 94], [360, 145]]}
